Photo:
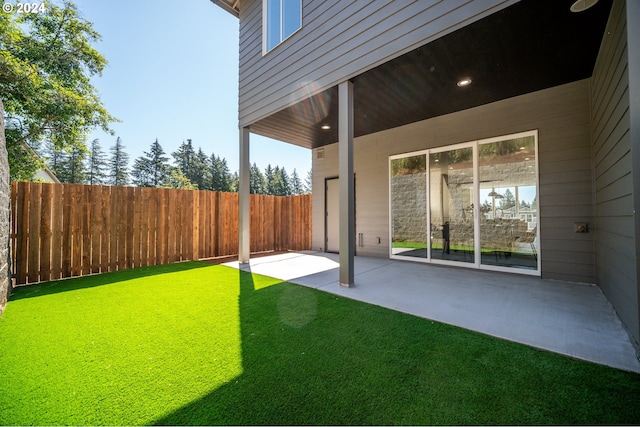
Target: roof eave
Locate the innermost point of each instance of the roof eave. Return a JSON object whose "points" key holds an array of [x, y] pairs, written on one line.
{"points": [[230, 6]]}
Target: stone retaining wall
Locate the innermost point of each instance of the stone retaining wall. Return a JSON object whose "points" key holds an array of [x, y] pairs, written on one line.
{"points": [[5, 215], [409, 213]]}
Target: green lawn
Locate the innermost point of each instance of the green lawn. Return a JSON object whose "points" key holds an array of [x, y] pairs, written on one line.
{"points": [[193, 343]]}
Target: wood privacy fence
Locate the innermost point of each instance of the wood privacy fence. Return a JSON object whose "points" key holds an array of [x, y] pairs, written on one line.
{"points": [[67, 230]]}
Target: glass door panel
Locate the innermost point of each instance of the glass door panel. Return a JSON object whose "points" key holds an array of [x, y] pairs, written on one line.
{"points": [[508, 203], [451, 195], [409, 206]]}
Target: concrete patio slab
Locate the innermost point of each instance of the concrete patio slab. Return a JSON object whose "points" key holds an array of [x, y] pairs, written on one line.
{"points": [[569, 318]]}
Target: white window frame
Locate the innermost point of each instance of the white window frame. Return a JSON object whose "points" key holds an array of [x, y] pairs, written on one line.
{"points": [[477, 263], [265, 26]]}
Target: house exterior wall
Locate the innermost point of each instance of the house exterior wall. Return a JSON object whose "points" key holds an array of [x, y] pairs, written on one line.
{"points": [[46, 176], [616, 234], [633, 49], [338, 40], [562, 117]]}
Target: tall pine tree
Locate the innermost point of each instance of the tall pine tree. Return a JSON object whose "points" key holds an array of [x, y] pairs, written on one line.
{"points": [[256, 180], [96, 164], [296, 184], [281, 178], [152, 169], [71, 168], [184, 158], [200, 171], [53, 156], [269, 180], [118, 164], [508, 200], [220, 176], [308, 182]]}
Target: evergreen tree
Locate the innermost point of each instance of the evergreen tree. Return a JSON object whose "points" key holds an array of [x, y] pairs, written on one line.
{"points": [[210, 178], [296, 184], [220, 176], [54, 157], [152, 169], [96, 164], [269, 181], [308, 182], [508, 200], [71, 168], [118, 164], [281, 182], [226, 173], [200, 170], [141, 174], [184, 158], [159, 164], [256, 180]]}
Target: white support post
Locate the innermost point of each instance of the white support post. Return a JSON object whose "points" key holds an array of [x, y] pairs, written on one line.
{"points": [[347, 193], [244, 199]]}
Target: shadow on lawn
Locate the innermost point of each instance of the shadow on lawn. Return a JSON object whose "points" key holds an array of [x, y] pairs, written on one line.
{"points": [[310, 357], [94, 280], [283, 379]]}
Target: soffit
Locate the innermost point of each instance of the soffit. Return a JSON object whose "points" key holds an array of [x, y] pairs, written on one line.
{"points": [[230, 6], [526, 47]]}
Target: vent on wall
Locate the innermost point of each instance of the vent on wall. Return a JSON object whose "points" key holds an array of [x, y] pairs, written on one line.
{"points": [[320, 153]]}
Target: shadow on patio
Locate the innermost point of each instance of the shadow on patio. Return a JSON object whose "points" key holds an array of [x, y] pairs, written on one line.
{"points": [[573, 319], [313, 358]]}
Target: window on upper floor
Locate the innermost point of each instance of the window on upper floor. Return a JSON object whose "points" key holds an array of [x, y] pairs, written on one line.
{"points": [[281, 19]]}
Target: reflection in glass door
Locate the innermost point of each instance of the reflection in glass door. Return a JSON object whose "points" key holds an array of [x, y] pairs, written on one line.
{"points": [[508, 213], [473, 203], [409, 206], [451, 205]]}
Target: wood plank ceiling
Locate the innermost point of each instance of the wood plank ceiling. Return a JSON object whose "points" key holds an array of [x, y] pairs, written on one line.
{"points": [[530, 46]]}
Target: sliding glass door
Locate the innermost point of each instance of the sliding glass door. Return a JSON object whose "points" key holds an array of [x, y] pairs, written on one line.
{"points": [[471, 204], [451, 198], [409, 206], [509, 212]]}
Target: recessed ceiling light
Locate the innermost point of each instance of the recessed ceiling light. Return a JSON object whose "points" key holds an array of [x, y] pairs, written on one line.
{"points": [[325, 127], [464, 82], [582, 5]]}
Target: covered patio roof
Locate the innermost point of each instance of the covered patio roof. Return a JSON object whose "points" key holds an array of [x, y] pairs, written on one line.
{"points": [[530, 46]]}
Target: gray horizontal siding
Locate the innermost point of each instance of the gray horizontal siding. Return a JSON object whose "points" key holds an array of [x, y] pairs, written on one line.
{"points": [[322, 169], [339, 40], [616, 267], [562, 117]]}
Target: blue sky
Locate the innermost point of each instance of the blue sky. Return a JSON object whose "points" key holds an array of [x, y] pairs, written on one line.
{"points": [[173, 75]]}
